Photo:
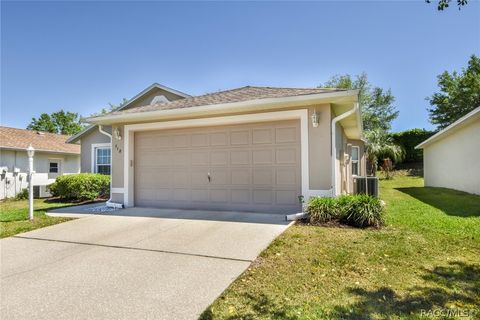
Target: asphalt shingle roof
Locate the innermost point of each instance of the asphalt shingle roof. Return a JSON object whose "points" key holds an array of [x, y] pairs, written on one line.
{"points": [[13, 138], [228, 96]]}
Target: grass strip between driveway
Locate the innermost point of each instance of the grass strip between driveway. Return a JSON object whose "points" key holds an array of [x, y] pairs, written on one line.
{"points": [[14, 215]]}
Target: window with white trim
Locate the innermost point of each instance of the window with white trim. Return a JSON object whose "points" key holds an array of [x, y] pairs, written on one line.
{"points": [[53, 167], [103, 156], [355, 163]]}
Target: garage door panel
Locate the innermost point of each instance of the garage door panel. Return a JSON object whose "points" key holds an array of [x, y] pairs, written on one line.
{"points": [[252, 167], [199, 178], [219, 158], [218, 139], [286, 156], [262, 136], [200, 140], [200, 195], [183, 195], [180, 158], [220, 177], [240, 157], [241, 196], [181, 179], [241, 176], [263, 176], [262, 157], [238, 138], [219, 195], [286, 135], [201, 158], [263, 196], [286, 197], [181, 141], [154, 159], [285, 177]]}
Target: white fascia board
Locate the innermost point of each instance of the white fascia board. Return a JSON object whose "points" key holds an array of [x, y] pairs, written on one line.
{"points": [[250, 105], [456, 124], [41, 150]]}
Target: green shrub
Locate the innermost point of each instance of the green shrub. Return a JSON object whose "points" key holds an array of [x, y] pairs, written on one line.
{"points": [[355, 210], [22, 195], [409, 139], [321, 209], [82, 186], [362, 211]]}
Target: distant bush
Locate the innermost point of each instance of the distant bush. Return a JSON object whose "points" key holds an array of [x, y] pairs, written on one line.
{"points": [[356, 210], [408, 140], [82, 186], [22, 195]]}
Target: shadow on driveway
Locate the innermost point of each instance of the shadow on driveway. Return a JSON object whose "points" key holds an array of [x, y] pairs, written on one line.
{"points": [[452, 202], [225, 216]]}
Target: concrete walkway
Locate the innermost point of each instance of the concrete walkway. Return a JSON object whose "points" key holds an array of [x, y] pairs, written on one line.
{"points": [[129, 264]]}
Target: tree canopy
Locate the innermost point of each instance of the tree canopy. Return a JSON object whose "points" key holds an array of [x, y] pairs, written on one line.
{"points": [[111, 108], [444, 4], [459, 94], [378, 110], [59, 122]]}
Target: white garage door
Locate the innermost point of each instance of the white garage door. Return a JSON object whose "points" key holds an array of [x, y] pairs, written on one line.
{"points": [[251, 167]]}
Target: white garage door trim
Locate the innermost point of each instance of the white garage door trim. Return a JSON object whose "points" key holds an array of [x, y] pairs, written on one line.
{"points": [[301, 114]]}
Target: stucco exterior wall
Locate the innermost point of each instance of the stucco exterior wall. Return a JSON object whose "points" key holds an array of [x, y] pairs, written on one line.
{"points": [[11, 184], [452, 162], [86, 142]]}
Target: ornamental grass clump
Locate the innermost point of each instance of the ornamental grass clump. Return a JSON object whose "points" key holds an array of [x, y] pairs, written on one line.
{"points": [[355, 210], [363, 211], [321, 210]]}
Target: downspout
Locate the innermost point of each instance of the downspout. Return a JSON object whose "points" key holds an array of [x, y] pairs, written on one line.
{"points": [[109, 201], [334, 146]]}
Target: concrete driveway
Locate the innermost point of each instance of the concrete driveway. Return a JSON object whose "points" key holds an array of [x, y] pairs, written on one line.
{"points": [[130, 264]]}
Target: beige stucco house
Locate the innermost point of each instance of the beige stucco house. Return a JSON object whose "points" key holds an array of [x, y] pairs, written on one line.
{"points": [[250, 148], [53, 157], [450, 156]]}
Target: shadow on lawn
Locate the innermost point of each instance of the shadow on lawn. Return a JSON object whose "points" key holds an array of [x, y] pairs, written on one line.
{"points": [[455, 286], [261, 306], [452, 202]]}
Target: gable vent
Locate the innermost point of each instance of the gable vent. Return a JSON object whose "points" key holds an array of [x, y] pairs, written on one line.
{"points": [[159, 99]]}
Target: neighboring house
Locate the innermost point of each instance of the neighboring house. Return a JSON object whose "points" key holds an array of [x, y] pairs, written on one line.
{"points": [[53, 157], [251, 148], [451, 156]]}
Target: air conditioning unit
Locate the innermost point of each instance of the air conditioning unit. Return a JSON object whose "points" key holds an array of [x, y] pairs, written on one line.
{"points": [[41, 192], [365, 185]]}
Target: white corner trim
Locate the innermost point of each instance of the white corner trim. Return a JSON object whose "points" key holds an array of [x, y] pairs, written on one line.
{"points": [[301, 114], [93, 154]]}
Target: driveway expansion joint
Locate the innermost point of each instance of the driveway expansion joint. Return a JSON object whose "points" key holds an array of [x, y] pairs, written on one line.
{"points": [[135, 248]]}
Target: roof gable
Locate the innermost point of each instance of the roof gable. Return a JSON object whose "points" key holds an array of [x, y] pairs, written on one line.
{"points": [[467, 119], [144, 98]]}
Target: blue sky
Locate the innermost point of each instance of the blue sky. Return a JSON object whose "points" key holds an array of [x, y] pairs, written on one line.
{"points": [[81, 56]]}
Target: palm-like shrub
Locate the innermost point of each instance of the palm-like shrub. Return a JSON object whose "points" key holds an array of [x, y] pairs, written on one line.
{"points": [[380, 145]]}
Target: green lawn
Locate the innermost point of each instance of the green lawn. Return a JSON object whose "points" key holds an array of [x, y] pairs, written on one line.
{"points": [[14, 216], [427, 258]]}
